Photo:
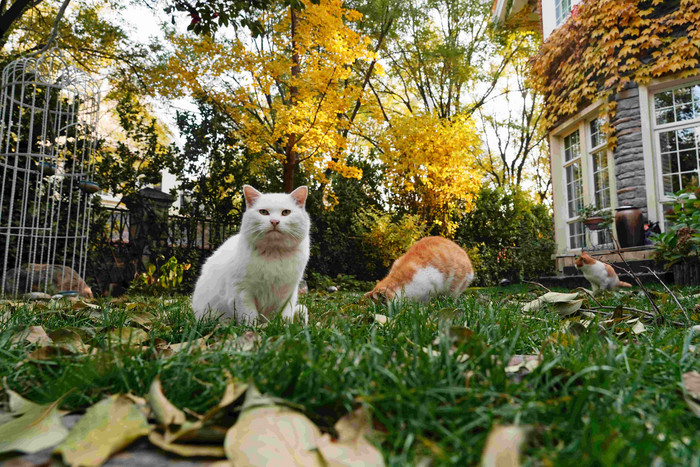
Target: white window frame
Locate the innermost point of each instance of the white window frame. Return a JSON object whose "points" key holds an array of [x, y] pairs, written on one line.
{"points": [[573, 219], [657, 129], [600, 237], [559, 14]]}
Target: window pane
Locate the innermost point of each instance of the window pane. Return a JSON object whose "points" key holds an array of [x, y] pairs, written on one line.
{"points": [[668, 141], [688, 179], [665, 116], [684, 112], [681, 96], [574, 189], [663, 99], [572, 148], [668, 184], [688, 160], [576, 235]]}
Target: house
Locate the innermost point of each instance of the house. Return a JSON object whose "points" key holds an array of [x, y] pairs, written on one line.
{"points": [[621, 82]]}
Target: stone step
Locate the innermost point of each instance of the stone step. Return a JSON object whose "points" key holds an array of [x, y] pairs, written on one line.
{"points": [[577, 280]]}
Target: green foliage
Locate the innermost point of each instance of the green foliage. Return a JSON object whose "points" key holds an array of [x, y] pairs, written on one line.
{"points": [[167, 282], [213, 166], [343, 282], [336, 240], [591, 210], [681, 241], [512, 236], [137, 160], [385, 237]]}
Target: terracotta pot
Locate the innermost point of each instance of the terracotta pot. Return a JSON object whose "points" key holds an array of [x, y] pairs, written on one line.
{"points": [[594, 222], [630, 226]]}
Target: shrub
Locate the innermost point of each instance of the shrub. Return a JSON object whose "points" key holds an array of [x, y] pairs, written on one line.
{"points": [[681, 241], [512, 236]]}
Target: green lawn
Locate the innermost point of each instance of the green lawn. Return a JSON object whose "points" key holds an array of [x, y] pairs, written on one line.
{"points": [[602, 395]]}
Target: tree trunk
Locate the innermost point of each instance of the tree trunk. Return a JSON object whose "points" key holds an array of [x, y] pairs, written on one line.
{"points": [[290, 160]]}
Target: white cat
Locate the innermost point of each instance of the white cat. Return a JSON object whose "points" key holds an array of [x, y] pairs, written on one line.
{"points": [[255, 274]]}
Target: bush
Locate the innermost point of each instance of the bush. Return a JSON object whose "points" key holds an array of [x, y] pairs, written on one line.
{"points": [[681, 241], [508, 236]]}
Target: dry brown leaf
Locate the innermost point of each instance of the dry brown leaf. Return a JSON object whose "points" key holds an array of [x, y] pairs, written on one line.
{"points": [[273, 436], [106, 428], [351, 448], [33, 335], [166, 413], [503, 446], [186, 450]]}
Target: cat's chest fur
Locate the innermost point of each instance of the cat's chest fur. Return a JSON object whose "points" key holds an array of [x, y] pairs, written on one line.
{"points": [[271, 278]]}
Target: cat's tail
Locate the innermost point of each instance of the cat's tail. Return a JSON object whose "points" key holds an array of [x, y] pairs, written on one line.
{"points": [[624, 284]]}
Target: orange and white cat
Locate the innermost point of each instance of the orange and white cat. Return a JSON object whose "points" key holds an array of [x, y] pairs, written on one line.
{"points": [[432, 266], [600, 275]]}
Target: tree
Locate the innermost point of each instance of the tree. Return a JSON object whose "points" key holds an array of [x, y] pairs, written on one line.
{"points": [[514, 133], [430, 166], [287, 91]]}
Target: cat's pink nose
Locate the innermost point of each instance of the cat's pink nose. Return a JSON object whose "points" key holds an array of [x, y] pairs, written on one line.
{"points": [[274, 222]]}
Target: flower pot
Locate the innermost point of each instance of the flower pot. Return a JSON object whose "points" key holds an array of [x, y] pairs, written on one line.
{"points": [[630, 226], [89, 187], [594, 223], [687, 273]]}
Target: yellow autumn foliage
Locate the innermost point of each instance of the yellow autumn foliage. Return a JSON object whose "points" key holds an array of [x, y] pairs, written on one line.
{"points": [[431, 166], [288, 93]]}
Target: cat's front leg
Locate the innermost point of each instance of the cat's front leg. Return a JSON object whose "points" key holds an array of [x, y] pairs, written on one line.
{"points": [[292, 308], [244, 309]]}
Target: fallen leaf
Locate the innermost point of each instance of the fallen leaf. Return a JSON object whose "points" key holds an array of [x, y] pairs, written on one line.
{"points": [[200, 343], [566, 308], [199, 429], [126, 336], [166, 413], [691, 384], [269, 434], [503, 446], [549, 297], [351, 448], [639, 328], [273, 435], [142, 318], [186, 450], [246, 342], [37, 428], [106, 428], [380, 319], [33, 335]]}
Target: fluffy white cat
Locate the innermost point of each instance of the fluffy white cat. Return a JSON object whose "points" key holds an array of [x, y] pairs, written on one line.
{"points": [[255, 274]]}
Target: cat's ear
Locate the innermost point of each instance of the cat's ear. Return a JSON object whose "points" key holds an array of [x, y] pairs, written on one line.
{"points": [[250, 194], [299, 195]]}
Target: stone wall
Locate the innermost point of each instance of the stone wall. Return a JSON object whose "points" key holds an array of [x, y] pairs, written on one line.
{"points": [[628, 156]]}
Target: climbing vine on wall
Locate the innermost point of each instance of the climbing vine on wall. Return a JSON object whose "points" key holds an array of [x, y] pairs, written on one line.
{"points": [[605, 45]]}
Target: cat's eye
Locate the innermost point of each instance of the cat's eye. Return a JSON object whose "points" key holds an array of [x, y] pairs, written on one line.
{"points": [[286, 212], [264, 212]]}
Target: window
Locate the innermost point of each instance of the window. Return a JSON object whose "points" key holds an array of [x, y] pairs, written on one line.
{"points": [[677, 136], [562, 7], [573, 177], [598, 157]]}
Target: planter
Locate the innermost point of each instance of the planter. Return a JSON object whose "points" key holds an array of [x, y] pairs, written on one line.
{"points": [[594, 223], [630, 226], [686, 273], [89, 187]]}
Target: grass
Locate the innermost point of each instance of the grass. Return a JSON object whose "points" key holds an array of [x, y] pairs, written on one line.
{"points": [[606, 397]]}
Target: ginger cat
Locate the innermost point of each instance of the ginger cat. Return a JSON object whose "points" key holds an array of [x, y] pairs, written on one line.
{"points": [[58, 278], [599, 274], [432, 266], [255, 274]]}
